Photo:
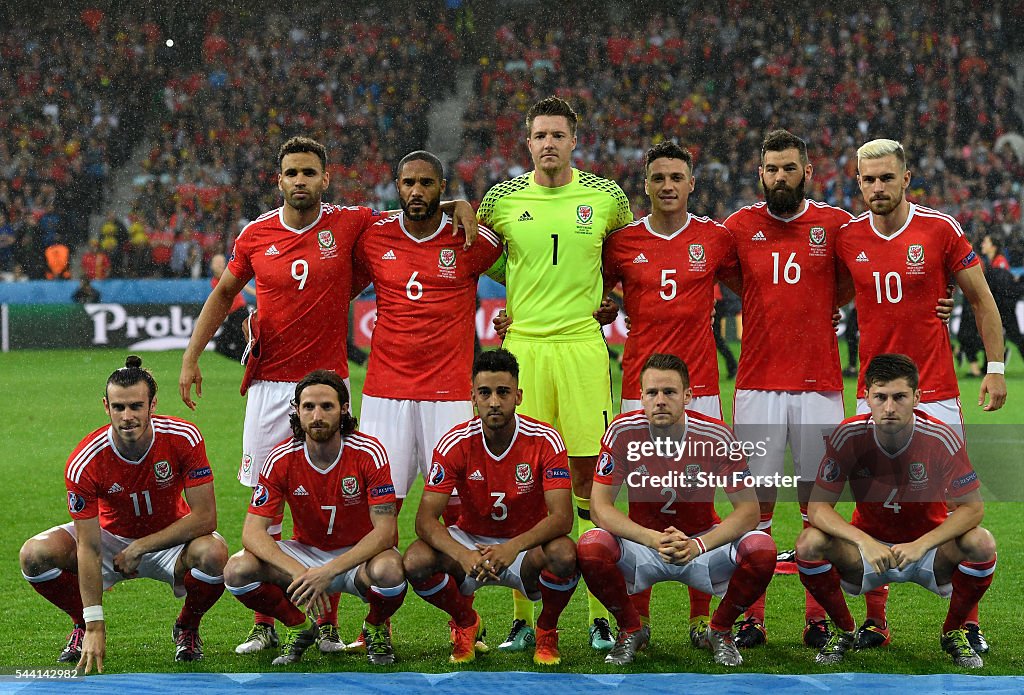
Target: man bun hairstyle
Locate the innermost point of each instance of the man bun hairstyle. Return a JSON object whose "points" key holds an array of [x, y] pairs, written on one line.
{"points": [[130, 374]]}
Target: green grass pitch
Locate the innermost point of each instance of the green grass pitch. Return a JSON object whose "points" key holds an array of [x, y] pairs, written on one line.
{"points": [[51, 399]]}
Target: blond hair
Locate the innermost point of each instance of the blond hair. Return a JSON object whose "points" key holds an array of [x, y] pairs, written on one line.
{"points": [[876, 149]]}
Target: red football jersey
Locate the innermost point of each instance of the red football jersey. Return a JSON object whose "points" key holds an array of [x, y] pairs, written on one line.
{"points": [[669, 290], [426, 307], [671, 487], [903, 496], [502, 496], [303, 288], [899, 280], [789, 293], [330, 509], [137, 498]]}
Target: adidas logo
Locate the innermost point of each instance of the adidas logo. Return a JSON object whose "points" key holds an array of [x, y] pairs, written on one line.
{"points": [[272, 251], [476, 475], [862, 257], [526, 217], [389, 256], [300, 491], [640, 258], [759, 236], [116, 487]]}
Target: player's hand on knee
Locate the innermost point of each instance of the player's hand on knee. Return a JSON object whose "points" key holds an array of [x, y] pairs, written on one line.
{"points": [[501, 323]]}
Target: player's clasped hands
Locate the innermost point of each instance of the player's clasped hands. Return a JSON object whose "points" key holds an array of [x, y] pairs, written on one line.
{"points": [[878, 555], [907, 554], [127, 562], [497, 558], [308, 590], [675, 547], [475, 565]]}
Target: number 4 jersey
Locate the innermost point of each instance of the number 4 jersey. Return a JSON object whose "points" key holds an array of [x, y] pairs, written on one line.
{"points": [[134, 499], [422, 347], [899, 280]]}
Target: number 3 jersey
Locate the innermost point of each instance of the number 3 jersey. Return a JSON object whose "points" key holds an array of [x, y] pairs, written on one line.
{"points": [[899, 280], [134, 499], [303, 289], [422, 346], [671, 483], [902, 496], [330, 508], [789, 293], [502, 496], [668, 285]]}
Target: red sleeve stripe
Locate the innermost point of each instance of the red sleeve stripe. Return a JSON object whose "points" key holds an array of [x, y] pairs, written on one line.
{"points": [[711, 430], [448, 442], [278, 453], [489, 235], [535, 429], [98, 443], [178, 427], [936, 215], [621, 425], [849, 430], [362, 442], [940, 431]]}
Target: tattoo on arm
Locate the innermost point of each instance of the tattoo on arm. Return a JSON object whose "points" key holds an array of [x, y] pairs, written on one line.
{"points": [[388, 509]]}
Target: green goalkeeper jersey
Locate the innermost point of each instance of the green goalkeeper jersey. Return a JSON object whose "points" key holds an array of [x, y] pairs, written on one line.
{"points": [[553, 237]]}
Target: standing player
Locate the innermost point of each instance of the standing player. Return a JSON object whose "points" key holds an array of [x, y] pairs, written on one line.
{"points": [[789, 385], [904, 468], [125, 484], [512, 474], [667, 263], [301, 257], [554, 220], [426, 304], [337, 484], [900, 256], [672, 532]]}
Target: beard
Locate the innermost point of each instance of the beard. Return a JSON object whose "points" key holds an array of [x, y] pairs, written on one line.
{"points": [[320, 434], [782, 200], [884, 206], [303, 203], [431, 210]]}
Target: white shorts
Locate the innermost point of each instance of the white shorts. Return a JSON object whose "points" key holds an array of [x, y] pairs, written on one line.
{"points": [[709, 572], [409, 431], [512, 577], [921, 572], [802, 418], [947, 410], [309, 556], [158, 565], [267, 407], [705, 405]]}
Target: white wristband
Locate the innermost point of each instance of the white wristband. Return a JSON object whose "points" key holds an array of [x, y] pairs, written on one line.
{"points": [[996, 368], [92, 614]]}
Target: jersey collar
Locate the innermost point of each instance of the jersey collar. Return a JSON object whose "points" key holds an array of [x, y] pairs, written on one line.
{"points": [[325, 471], [280, 217], [874, 433], [807, 206], [511, 444], [444, 223], [673, 235], [113, 445], [910, 216]]}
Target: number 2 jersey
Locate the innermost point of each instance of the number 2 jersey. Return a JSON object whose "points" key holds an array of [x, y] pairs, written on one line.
{"points": [[899, 280], [902, 496], [669, 290], [502, 496], [422, 346], [303, 289], [330, 508], [666, 488], [134, 499], [789, 294]]}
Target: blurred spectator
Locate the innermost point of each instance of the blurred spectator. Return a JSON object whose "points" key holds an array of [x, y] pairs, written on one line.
{"points": [[58, 260], [95, 262], [8, 240], [86, 293]]}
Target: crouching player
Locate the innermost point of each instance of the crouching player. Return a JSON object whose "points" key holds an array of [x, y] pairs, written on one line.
{"points": [[673, 460], [512, 474], [337, 483], [903, 466], [125, 484]]}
